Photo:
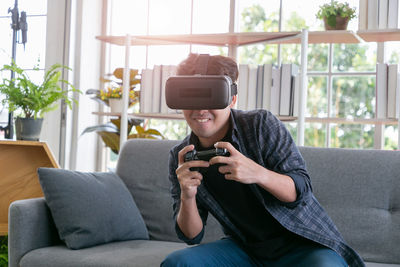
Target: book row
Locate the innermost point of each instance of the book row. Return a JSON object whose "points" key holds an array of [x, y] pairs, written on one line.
{"points": [[387, 91], [152, 89], [378, 14], [269, 87]]}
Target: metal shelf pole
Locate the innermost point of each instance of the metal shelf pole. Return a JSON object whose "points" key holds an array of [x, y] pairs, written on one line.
{"points": [[303, 88], [125, 94]]}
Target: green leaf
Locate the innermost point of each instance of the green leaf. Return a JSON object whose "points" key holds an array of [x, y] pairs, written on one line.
{"points": [[154, 132], [139, 129], [111, 140], [109, 127], [33, 100], [119, 73], [331, 21]]}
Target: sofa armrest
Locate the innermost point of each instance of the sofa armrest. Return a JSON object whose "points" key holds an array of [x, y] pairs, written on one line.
{"points": [[30, 226]]}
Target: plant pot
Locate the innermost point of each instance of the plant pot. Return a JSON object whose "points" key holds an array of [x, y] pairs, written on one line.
{"points": [[335, 23], [28, 128], [115, 105]]}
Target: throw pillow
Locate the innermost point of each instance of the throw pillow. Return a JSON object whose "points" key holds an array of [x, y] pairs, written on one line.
{"points": [[91, 208]]}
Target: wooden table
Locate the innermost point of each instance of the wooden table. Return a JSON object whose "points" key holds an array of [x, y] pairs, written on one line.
{"points": [[19, 161]]}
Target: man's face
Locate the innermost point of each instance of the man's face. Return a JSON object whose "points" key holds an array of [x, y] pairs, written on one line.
{"points": [[209, 126]]}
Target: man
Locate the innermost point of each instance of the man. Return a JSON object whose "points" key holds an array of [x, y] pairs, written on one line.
{"points": [[261, 193]]}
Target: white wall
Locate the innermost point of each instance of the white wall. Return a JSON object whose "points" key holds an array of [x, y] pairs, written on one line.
{"points": [[55, 53], [71, 29], [87, 51]]}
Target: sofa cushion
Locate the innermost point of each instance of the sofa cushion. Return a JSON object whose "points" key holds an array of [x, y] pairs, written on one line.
{"points": [[359, 189], [134, 253], [91, 208]]}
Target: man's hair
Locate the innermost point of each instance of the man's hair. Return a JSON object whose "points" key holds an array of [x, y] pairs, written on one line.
{"points": [[217, 65]]}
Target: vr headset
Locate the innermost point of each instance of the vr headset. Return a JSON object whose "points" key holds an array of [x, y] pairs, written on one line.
{"points": [[199, 91]]}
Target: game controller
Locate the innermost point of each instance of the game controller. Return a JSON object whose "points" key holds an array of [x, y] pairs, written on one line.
{"points": [[205, 155]]}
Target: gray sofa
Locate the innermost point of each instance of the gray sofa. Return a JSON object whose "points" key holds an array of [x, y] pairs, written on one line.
{"points": [[360, 189]]}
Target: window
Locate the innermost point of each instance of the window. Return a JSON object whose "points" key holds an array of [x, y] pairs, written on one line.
{"points": [[341, 77], [33, 54]]}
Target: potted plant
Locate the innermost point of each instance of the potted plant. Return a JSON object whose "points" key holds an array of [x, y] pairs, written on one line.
{"points": [[31, 100], [112, 95], [336, 15], [110, 132]]}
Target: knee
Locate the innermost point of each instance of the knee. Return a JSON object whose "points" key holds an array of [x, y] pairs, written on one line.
{"points": [[178, 258], [326, 258]]}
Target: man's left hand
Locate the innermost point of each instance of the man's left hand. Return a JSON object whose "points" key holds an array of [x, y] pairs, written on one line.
{"points": [[238, 167]]}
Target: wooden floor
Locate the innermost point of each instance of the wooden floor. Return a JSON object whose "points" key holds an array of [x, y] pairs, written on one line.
{"points": [[19, 161]]}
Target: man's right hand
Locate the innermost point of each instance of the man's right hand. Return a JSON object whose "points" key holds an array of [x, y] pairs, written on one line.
{"points": [[189, 180]]}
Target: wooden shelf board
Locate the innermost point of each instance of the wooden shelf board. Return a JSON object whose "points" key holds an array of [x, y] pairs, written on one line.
{"points": [[380, 35], [172, 116], [21, 143], [239, 39], [321, 37], [217, 39], [352, 121], [333, 37], [287, 118], [179, 116], [135, 40]]}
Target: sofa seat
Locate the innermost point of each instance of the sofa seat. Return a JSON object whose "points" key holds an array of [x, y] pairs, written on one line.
{"points": [[127, 253]]}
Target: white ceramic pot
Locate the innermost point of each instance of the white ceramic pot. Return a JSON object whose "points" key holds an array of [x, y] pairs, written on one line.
{"points": [[115, 105]]}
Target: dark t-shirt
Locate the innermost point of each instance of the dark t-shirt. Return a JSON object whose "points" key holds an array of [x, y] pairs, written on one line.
{"points": [[266, 238]]}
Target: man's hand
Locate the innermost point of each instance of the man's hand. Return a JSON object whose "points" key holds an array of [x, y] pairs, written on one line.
{"points": [[244, 170], [238, 167], [189, 180]]}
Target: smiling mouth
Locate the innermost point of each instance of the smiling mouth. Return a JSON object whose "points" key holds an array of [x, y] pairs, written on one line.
{"points": [[202, 120]]}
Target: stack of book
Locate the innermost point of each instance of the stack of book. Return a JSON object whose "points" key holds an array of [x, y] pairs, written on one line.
{"points": [[378, 14], [269, 87], [152, 89], [387, 91]]}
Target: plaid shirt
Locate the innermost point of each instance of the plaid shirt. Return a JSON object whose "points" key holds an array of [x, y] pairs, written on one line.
{"points": [[260, 136]]}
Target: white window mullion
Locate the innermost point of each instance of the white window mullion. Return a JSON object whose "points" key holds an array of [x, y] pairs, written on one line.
{"points": [[329, 95], [379, 135]]}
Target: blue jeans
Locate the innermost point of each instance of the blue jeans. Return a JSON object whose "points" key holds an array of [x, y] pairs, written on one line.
{"points": [[226, 252]]}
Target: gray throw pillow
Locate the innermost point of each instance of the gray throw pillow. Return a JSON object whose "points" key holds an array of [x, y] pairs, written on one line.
{"points": [[91, 208]]}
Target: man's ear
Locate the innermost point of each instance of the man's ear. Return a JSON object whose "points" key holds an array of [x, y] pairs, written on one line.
{"points": [[234, 99]]}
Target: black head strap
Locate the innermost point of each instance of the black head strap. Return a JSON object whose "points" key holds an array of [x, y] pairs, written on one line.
{"points": [[201, 68], [202, 64]]}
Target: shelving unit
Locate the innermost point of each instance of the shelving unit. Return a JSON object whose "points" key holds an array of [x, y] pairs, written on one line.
{"points": [[233, 40], [224, 39]]}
